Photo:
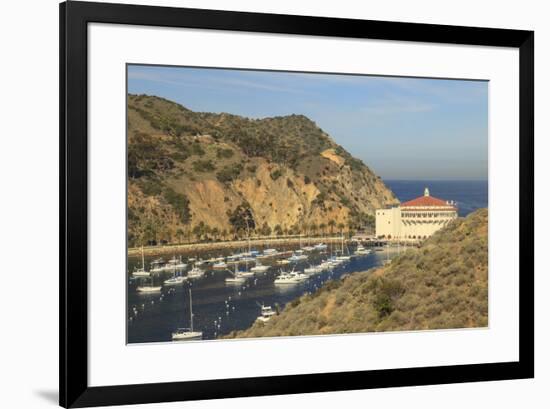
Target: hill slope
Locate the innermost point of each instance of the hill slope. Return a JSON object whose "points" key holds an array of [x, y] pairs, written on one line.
{"points": [[200, 174], [442, 284]]}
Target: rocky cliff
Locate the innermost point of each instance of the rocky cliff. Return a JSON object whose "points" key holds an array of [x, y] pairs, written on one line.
{"points": [[194, 176]]}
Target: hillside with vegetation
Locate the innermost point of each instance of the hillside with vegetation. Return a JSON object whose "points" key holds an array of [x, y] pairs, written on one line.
{"points": [[203, 176], [441, 284]]}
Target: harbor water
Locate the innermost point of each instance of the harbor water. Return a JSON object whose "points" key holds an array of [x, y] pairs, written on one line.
{"points": [[219, 307]]}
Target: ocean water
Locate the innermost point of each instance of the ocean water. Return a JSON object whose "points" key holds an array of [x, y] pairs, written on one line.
{"points": [[469, 194]]}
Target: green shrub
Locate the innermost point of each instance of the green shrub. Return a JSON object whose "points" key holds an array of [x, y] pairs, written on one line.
{"points": [[203, 166], [224, 153], [229, 173], [179, 202], [276, 174]]}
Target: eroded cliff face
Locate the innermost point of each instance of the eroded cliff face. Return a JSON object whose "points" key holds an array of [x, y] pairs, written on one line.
{"points": [[190, 174]]}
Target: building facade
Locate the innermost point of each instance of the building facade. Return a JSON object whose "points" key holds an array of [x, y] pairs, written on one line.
{"points": [[416, 219]]}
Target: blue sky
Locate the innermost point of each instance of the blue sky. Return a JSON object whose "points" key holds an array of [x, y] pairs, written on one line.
{"points": [[403, 128]]}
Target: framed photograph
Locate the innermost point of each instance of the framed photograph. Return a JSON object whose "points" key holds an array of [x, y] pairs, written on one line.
{"points": [[258, 204]]}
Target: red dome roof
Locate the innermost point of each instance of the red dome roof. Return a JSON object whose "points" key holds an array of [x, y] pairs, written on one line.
{"points": [[426, 201]]}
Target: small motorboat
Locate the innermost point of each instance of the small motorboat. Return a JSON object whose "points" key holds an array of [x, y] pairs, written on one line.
{"points": [[290, 278], [266, 313], [195, 272]]}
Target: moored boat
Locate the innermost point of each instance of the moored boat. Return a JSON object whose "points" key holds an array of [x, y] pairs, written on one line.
{"points": [[220, 265], [259, 268], [237, 277], [187, 334], [195, 272], [266, 313], [175, 280], [141, 272], [290, 278], [149, 288]]}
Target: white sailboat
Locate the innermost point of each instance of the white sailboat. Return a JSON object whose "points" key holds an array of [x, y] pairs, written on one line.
{"points": [[236, 278], [140, 272], [187, 334], [157, 266], [149, 288], [247, 272], [343, 257], [175, 280], [174, 264]]}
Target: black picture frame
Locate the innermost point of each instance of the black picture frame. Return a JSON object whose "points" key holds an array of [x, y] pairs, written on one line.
{"points": [[73, 381]]}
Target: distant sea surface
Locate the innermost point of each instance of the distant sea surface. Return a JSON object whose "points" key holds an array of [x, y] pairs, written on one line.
{"points": [[469, 194]]}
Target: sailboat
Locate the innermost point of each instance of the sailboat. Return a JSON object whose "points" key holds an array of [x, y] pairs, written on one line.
{"points": [[175, 264], [175, 279], [187, 334], [236, 278], [140, 272], [247, 272], [342, 257], [157, 266], [148, 288]]}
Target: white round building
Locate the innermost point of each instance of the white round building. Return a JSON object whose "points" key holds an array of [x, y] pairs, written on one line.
{"points": [[416, 219]]}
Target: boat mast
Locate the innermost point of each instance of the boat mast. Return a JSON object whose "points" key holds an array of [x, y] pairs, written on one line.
{"points": [[191, 309]]}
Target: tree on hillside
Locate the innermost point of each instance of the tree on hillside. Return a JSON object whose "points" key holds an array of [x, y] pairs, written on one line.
{"points": [[265, 230], [313, 228], [215, 233], [331, 224], [199, 230], [180, 234], [180, 203], [242, 219]]}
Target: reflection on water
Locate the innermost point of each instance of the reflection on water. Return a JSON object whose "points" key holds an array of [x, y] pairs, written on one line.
{"points": [[219, 308]]}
